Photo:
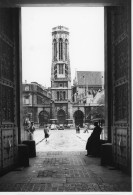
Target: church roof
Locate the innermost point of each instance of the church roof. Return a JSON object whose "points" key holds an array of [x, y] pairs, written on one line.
{"points": [[89, 77]]}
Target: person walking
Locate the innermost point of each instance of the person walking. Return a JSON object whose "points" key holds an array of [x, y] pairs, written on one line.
{"points": [[86, 128], [46, 132], [93, 142], [78, 129]]}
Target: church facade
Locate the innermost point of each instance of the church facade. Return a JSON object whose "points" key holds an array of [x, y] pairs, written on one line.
{"points": [[66, 106]]}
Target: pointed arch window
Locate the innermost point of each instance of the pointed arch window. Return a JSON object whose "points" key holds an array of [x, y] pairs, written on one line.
{"points": [[60, 49], [66, 49], [60, 68], [55, 49]]}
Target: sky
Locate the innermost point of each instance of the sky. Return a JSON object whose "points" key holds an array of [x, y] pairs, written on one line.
{"points": [[86, 40]]}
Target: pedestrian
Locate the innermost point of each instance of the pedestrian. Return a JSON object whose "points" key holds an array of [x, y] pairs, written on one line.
{"points": [[86, 128], [31, 130], [46, 132], [26, 125], [93, 142], [78, 129]]}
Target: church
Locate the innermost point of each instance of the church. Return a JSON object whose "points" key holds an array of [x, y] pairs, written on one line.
{"points": [[66, 107]]}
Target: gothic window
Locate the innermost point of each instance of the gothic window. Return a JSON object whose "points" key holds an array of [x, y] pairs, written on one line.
{"points": [[61, 95], [60, 69], [60, 49], [55, 49], [66, 48]]}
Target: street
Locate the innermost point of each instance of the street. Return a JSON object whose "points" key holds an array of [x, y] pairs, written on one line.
{"points": [[61, 140]]}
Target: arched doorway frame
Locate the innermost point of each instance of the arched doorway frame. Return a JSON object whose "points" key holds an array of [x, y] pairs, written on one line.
{"points": [[61, 116], [43, 117], [112, 127], [78, 117]]}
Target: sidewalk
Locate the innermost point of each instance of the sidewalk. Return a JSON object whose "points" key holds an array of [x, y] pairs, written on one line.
{"points": [[69, 171]]}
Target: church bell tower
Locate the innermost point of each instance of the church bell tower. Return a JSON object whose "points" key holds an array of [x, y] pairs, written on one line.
{"points": [[60, 75]]}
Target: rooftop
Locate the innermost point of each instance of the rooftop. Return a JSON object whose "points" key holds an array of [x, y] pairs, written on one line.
{"points": [[60, 28], [89, 77]]}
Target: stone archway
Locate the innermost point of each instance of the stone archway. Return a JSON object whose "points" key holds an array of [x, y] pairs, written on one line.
{"points": [[43, 118], [61, 116], [79, 116], [117, 77]]}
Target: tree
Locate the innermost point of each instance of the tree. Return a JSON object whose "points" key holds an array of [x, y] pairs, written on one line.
{"points": [[98, 111]]}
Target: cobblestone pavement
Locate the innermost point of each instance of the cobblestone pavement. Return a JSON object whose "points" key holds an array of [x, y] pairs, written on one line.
{"points": [[65, 171]]}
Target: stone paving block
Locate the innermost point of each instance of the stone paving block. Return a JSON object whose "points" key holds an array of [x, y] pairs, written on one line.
{"points": [[107, 187], [48, 180], [84, 180], [56, 185], [13, 178]]}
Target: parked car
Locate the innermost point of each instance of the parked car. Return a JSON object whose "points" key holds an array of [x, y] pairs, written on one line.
{"points": [[53, 127], [60, 127], [68, 126]]}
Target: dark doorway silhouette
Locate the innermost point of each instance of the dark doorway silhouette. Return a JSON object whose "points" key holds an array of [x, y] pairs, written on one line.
{"points": [[61, 117], [43, 118], [78, 115]]}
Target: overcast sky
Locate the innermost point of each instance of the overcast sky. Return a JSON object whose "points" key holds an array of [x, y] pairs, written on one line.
{"points": [[86, 40]]}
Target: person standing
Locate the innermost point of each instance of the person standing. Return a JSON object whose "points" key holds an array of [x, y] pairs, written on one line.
{"points": [[31, 131], [26, 125], [93, 142], [46, 132]]}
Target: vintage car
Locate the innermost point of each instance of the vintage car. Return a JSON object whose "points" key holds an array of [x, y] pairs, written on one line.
{"points": [[53, 127], [61, 127]]}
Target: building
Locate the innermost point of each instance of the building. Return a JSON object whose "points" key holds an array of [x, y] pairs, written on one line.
{"points": [[36, 103], [60, 77], [85, 87]]}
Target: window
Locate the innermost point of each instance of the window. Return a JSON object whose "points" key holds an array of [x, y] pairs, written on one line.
{"points": [[55, 49], [26, 100], [26, 88], [60, 49], [66, 42], [60, 69]]}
